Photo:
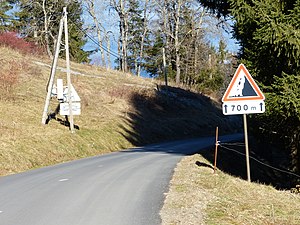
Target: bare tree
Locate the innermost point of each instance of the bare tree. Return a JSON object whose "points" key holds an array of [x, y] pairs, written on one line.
{"points": [[48, 11], [120, 7], [46, 30], [107, 38], [177, 4], [171, 14], [162, 24], [181, 24], [99, 28], [145, 31]]}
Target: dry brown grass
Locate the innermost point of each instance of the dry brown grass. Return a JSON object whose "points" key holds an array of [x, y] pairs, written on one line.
{"points": [[118, 111], [197, 196], [25, 143]]}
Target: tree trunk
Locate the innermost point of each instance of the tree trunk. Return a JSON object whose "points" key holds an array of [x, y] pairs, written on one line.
{"points": [[108, 50], [123, 26], [145, 30], [136, 63], [177, 43], [165, 66], [125, 41], [46, 30], [166, 37], [124, 33], [91, 5]]}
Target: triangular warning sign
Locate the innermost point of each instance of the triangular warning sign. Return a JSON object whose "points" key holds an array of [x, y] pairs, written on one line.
{"points": [[242, 87]]}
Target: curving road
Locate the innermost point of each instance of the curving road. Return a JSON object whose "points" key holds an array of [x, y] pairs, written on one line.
{"points": [[123, 188]]}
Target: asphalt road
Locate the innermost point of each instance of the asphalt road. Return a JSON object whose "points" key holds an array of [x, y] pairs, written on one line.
{"points": [[123, 188]]}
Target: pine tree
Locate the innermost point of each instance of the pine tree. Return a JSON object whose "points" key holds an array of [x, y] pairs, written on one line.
{"points": [[154, 61], [121, 8], [39, 22], [77, 38], [135, 29], [269, 33]]}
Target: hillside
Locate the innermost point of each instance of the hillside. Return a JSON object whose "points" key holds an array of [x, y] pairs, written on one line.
{"points": [[118, 111]]}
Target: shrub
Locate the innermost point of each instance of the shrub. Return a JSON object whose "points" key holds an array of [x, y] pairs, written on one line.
{"points": [[14, 41], [9, 76]]}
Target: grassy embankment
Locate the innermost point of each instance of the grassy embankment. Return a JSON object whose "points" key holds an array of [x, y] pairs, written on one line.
{"points": [[198, 196], [118, 111]]}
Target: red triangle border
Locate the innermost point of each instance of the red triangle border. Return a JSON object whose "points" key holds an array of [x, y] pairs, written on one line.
{"points": [[251, 81]]}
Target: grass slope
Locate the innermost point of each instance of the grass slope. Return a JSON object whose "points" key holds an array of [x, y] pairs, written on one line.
{"points": [[198, 196], [118, 111]]}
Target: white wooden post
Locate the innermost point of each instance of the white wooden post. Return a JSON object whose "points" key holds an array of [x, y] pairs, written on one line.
{"points": [[68, 70], [53, 70]]}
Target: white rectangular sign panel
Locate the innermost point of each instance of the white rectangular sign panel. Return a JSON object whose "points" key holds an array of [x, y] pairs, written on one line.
{"points": [[60, 89], [243, 107], [64, 109]]}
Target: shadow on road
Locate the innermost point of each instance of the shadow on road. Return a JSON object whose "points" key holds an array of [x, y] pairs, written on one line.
{"points": [[184, 147]]}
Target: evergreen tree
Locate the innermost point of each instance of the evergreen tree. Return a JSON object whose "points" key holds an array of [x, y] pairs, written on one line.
{"points": [[154, 61], [77, 38], [138, 34], [269, 33], [135, 29], [39, 22]]}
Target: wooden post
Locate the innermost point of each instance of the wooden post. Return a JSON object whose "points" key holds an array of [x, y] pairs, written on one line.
{"points": [[247, 147], [68, 70], [216, 149], [52, 75]]}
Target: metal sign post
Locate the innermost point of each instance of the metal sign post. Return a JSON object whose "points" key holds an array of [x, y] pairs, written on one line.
{"points": [[247, 147], [243, 96]]}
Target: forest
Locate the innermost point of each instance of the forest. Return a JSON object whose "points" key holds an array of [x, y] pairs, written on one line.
{"points": [[167, 39]]}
